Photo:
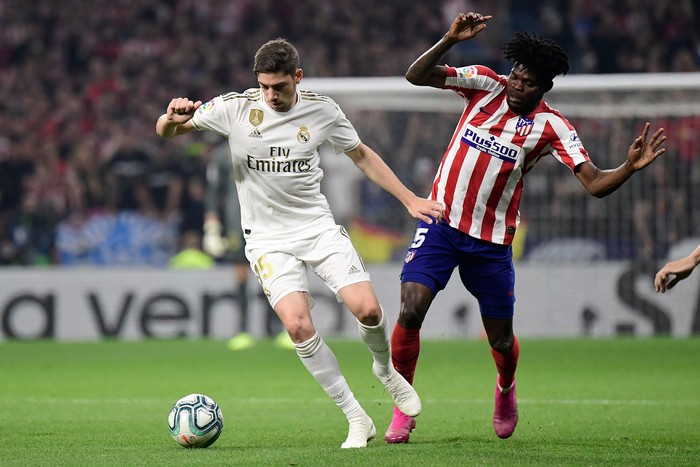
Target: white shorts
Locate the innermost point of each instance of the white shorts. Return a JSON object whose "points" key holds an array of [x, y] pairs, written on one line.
{"points": [[282, 269]]}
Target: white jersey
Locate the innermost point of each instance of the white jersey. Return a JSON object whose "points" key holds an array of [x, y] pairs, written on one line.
{"points": [[276, 160]]}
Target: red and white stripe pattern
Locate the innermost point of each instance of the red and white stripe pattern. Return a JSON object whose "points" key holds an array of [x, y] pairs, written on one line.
{"points": [[480, 178]]}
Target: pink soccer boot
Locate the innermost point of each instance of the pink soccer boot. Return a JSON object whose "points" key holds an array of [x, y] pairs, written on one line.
{"points": [[505, 414], [400, 429]]}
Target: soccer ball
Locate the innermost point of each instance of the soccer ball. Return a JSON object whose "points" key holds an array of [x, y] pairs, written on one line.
{"points": [[195, 421]]}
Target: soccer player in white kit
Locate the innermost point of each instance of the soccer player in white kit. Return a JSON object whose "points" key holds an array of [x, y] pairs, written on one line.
{"points": [[274, 132]]}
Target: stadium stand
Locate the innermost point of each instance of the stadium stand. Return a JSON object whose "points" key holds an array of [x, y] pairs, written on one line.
{"points": [[83, 83]]}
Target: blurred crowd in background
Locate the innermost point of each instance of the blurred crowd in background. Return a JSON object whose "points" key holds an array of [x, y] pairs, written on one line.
{"points": [[83, 82]]}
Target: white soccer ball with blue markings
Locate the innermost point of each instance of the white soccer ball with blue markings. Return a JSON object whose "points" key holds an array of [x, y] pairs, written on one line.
{"points": [[195, 421]]}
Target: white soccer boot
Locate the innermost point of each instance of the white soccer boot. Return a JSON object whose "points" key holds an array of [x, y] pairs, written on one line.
{"points": [[405, 397], [361, 431]]}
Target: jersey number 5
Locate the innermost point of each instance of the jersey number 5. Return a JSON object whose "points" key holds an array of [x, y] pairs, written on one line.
{"points": [[419, 238]]}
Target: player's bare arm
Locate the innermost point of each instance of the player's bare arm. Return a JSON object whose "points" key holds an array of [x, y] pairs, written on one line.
{"points": [[676, 271], [376, 170], [176, 120], [425, 70], [641, 153]]}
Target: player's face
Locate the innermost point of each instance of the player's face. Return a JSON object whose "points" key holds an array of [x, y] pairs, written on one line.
{"points": [[524, 90], [279, 89]]}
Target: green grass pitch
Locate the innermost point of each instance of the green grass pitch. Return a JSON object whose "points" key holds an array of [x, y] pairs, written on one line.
{"points": [[582, 402]]}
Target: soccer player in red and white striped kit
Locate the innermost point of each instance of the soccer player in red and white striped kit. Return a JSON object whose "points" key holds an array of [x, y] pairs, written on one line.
{"points": [[504, 130]]}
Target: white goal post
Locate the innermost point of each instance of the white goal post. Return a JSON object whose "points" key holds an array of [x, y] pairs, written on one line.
{"points": [[395, 93]]}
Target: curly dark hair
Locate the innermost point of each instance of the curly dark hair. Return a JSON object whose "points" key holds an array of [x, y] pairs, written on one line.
{"points": [[544, 57], [276, 55]]}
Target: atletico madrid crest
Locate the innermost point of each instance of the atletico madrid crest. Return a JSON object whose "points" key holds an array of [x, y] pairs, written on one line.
{"points": [[524, 126]]}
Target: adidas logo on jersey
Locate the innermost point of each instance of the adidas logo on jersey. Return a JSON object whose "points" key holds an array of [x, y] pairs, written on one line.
{"points": [[255, 133], [353, 270]]}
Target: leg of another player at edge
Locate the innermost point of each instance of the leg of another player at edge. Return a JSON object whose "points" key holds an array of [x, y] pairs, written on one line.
{"points": [[273, 327], [320, 361], [244, 339], [505, 350]]}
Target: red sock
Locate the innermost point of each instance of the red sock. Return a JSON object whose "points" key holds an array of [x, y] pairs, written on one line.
{"points": [[506, 364], [405, 347]]}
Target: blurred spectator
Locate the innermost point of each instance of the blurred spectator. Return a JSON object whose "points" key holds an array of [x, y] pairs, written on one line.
{"points": [[166, 183], [90, 175], [127, 171], [16, 167]]}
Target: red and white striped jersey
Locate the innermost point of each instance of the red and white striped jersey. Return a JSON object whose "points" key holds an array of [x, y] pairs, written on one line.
{"points": [[480, 178]]}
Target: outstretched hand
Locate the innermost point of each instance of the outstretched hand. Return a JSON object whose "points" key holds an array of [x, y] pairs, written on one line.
{"points": [[642, 152], [467, 25], [672, 273], [675, 271], [181, 109]]}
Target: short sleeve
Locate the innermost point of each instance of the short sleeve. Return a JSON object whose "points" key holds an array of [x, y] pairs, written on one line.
{"points": [[212, 115], [344, 137]]}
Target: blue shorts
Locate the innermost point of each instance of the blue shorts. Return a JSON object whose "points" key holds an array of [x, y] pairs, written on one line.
{"points": [[486, 268]]}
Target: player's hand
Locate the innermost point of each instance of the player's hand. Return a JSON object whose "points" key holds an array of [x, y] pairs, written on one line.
{"points": [[212, 242], [427, 210], [467, 25], [181, 109], [643, 152], [672, 273]]}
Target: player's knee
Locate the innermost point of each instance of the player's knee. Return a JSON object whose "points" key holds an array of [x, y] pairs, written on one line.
{"points": [[299, 330], [368, 314], [415, 301], [411, 317], [502, 344]]}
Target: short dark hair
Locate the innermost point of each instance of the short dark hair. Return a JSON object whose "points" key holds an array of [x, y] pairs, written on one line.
{"points": [[544, 57], [275, 56]]}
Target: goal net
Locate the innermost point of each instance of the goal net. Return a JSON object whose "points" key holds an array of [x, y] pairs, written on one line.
{"points": [[654, 212]]}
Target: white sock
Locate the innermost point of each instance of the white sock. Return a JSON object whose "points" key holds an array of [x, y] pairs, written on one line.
{"points": [[377, 341], [320, 361], [505, 390]]}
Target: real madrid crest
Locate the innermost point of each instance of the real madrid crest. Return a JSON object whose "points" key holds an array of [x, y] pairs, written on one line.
{"points": [[303, 136], [256, 117]]}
